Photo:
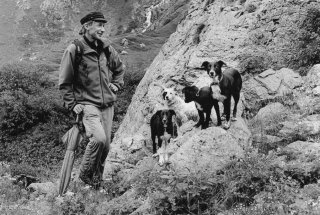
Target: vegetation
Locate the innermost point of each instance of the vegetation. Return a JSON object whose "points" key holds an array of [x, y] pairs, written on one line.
{"points": [[32, 117], [290, 40]]}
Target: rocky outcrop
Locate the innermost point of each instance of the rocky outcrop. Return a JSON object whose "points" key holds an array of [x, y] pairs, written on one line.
{"points": [[269, 85], [304, 127]]}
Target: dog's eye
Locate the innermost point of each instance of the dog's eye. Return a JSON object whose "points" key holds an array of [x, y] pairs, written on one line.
{"points": [[164, 94]]}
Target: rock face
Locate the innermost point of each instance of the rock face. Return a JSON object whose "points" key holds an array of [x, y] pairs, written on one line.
{"points": [[212, 30], [269, 85], [209, 150], [170, 67]]}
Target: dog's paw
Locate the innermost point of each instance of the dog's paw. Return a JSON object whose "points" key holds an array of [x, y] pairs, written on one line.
{"points": [[234, 118], [223, 117], [226, 125]]}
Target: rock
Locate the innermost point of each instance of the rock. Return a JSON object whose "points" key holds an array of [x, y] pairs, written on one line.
{"points": [[313, 76], [125, 42], [142, 45], [135, 143], [208, 150], [305, 148], [304, 128], [265, 142], [269, 111], [269, 85], [43, 188], [316, 91]]}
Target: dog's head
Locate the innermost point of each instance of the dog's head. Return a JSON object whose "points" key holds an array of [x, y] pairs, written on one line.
{"points": [[168, 94], [190, 93], [214, 69], [166, 116]]}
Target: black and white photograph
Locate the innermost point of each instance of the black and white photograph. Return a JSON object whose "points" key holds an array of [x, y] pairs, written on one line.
{"points": [[159, 107]]}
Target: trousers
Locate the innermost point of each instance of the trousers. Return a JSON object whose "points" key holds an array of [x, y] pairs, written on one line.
{"points": [[98, 124]]}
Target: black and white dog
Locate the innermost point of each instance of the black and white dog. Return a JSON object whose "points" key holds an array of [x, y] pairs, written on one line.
{"points": [[230, 83], [163, 121], [204, 103]]}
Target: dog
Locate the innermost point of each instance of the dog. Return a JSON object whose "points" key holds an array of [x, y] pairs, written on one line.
{"points": [[162, 123], [184, 111], [204, 103], [230, 83]]}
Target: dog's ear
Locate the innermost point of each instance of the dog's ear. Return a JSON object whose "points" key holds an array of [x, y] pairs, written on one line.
{"points": [[221, 63], [164, 95], [158, 113], [172, 112], [206, 65]]}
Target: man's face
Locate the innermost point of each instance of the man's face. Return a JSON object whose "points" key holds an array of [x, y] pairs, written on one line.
{"points": [[95, 30]]}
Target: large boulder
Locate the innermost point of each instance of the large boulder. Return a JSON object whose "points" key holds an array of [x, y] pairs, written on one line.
{"points": [[209, 150]]}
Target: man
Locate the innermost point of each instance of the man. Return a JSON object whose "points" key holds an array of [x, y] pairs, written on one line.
{"points": [[90, 88]]}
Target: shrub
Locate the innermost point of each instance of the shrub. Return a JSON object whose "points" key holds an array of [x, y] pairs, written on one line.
{"points": [[250, 8], [253, 62], [24, 98], [32, 118], [308, 39]]}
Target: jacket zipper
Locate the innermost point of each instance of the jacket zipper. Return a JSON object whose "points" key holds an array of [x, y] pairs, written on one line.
{"points": [[102, 104]]}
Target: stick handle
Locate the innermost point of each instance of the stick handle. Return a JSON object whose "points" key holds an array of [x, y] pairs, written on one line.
{"points": [[78, 118]]}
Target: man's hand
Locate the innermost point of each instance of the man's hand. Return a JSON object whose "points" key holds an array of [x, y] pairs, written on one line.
{"points": [[114, 88], [78, 108]]}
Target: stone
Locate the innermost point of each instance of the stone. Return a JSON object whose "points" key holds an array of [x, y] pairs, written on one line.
{"points": [[269, 111]]}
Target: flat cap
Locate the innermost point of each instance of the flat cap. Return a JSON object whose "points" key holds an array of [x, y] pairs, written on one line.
{"points": [[93, 16]]}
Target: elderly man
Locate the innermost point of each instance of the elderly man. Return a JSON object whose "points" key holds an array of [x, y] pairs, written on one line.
{"points": [[89, 87]]}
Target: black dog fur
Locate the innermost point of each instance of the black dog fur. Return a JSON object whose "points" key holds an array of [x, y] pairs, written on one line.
{"points": [[158, 122], [204, 103], [230, 83]]}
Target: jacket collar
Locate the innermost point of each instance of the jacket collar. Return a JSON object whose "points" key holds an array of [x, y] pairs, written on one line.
{"points": [[91, 47]]}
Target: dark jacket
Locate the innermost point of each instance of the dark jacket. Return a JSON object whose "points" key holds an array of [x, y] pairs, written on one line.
{"points": [[90, 85]]}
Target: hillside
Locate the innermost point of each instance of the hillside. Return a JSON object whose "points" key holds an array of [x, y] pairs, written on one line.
{"points": [[265, 163]]}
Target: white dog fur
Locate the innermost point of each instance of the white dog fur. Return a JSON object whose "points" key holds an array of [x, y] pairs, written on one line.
{"points": [[185, 111]]}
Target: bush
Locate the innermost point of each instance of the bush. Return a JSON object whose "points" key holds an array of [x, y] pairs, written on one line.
{"points": [[308, 39], [253, 62], [32, 118], [25, 99], [255, 184], [250, 8]]}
